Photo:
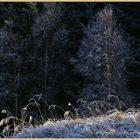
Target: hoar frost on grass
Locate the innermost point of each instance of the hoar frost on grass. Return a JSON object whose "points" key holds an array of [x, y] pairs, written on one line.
{"points": [[116, 125]]}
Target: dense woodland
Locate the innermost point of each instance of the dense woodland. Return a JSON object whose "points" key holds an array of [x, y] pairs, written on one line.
{"points": [[60, 52]]}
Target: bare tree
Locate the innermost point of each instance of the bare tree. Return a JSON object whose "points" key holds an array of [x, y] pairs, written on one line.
{"points": [[49, 36], [102, 58], [10, 62]]}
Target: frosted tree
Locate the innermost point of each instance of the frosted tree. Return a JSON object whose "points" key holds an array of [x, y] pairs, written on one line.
{"points": [[102, 58], [49, 37], [10, 62]]}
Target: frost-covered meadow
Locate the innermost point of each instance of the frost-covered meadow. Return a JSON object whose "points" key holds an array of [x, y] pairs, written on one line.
{"points": [[115, 125]]}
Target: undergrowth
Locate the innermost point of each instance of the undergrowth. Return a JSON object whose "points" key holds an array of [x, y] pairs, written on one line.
{"points": [[89, 119]]}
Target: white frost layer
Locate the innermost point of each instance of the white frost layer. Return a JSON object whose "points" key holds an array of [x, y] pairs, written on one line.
{"points": [[116, 125]]}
